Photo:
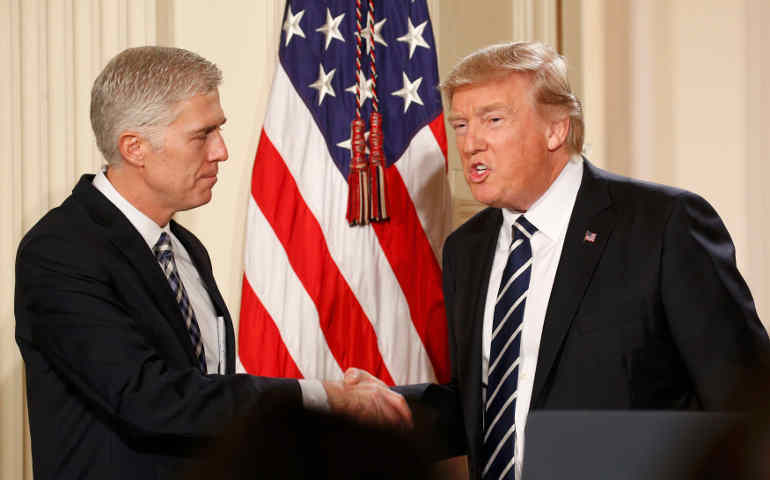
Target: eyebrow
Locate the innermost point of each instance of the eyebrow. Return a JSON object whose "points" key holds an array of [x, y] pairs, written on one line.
{"points": [[209, 128], [492, 107], [482, 111]]}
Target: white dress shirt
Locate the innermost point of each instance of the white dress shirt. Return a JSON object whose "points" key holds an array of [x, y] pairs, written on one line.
{"points": [[211, 326], [550, 214]]}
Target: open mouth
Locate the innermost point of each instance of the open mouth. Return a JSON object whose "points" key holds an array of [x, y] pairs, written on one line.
{"points": [[478, 172]]}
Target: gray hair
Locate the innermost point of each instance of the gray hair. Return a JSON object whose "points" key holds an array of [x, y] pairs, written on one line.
{"points": [[550, 85], [138, 90]]}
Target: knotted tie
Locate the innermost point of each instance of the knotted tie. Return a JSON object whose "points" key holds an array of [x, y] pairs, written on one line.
{"points": [[503, 371], [165, 257]]}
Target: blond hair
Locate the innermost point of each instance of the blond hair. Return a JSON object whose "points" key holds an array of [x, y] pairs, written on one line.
{"points": [[550, 86], [138, 90]]}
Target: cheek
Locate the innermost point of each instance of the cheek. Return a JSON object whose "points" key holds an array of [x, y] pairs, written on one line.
{"points": [[191, 164], [465, 159], [180, 177], [459, 147]]}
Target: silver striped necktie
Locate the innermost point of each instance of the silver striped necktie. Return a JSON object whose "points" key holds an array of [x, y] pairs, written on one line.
{"points": [[503, 371], [165, 256]]}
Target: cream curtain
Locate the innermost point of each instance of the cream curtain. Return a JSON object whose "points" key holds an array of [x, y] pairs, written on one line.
{"points": [[50, 52]]}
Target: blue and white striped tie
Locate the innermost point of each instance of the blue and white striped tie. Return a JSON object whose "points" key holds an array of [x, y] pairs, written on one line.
{"points": [[165, 257], [503, 371]]}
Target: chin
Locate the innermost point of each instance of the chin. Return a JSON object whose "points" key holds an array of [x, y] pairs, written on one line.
{"points": [[485, 197], [204, 200], [201, 200]]}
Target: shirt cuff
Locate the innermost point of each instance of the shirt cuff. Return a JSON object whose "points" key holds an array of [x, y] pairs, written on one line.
{"points": [[314, 395], [239, 368]]}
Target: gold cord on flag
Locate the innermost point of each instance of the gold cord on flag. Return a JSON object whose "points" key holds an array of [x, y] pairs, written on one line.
{"points": [[358, 177], [379, 211], [367, 200]]}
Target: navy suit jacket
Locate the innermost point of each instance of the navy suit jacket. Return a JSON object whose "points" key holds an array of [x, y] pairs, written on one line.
{"points": [[652, 314], [112, 384]]}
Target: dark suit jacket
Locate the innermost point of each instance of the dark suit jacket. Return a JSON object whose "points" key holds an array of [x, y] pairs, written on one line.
{"points": [[112, 384], [651, 315]]}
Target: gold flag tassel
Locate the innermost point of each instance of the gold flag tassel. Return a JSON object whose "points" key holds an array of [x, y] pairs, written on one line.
{"points": [[358, 178], [377, 169]]}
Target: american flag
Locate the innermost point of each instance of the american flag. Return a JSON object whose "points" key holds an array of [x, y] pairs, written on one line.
{"points": [[320, 296]]}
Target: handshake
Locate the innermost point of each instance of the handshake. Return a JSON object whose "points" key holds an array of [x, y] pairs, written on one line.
{"points": [[367, 433], [364, 398]]}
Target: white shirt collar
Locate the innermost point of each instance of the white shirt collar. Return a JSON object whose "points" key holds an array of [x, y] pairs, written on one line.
{"points": [[551, 212], [147, 228]]}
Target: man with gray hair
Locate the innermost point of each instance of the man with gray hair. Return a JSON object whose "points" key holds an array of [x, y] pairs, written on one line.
{"points": [[128, 344], [576, 288]]}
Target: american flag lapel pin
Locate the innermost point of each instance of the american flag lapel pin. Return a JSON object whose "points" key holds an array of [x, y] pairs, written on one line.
{"points": [[590, 236]]}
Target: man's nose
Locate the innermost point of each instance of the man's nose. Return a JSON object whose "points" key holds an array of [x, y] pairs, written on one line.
{"points": [[473, 142], [218, 152]]}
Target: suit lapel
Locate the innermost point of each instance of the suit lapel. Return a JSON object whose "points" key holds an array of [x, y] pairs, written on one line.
{"points": [[589, 229], [476, 272], [203, 265], [131, 244]]}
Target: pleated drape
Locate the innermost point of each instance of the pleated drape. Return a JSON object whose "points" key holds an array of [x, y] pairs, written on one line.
{"points": [[50, 52]]}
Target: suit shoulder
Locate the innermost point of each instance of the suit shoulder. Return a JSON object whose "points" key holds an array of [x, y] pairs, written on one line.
{"points": [[66, 222], [632, 190], [654, 203]]}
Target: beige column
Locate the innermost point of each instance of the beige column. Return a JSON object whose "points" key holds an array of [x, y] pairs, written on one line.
{"points": [[757, 266]]}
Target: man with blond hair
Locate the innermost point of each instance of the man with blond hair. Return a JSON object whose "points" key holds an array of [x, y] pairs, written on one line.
{"points": [[576, 288], [128, 345]]}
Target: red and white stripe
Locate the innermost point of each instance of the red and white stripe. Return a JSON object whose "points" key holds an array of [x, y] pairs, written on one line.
{"points": [[320, 296]]}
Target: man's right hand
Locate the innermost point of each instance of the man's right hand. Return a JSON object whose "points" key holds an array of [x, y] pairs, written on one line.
{"points": [[363, 397]]}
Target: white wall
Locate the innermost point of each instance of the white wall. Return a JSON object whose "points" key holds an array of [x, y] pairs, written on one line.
{"points": [[242, 40]]}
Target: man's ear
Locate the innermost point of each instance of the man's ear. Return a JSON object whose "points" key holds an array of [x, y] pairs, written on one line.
{"points": [[133, 148], [557, 131]]}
